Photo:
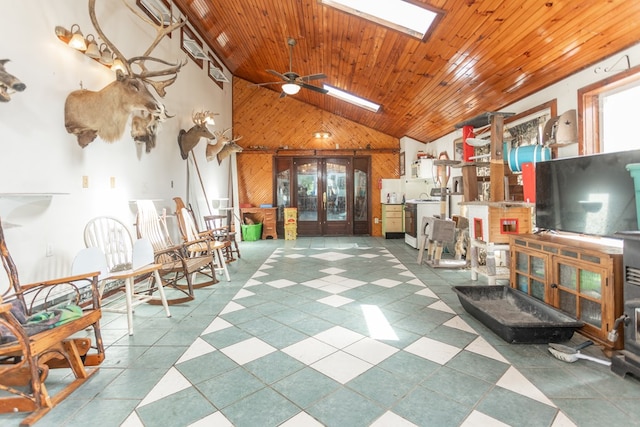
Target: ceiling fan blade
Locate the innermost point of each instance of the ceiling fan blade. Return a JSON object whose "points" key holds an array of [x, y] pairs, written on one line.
{"points": [[314, 77], [264, 84], [282, 94], [277, 74], [314, 88]]}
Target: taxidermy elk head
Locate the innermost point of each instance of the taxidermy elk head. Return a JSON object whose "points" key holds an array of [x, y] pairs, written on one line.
{"points": [[8, 83], [188, 139], [105, 113], [223, 147]]}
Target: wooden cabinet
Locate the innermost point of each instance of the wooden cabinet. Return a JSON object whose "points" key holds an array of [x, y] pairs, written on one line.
{"points": [[582, 278], [266, 216], [392, 220]]}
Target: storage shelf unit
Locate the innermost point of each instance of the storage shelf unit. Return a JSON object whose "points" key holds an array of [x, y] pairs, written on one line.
{"points": [[266, 216], [580, 277]]}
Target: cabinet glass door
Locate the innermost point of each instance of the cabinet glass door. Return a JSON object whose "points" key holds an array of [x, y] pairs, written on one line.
{"points": [[579, 292], [530, 274]]}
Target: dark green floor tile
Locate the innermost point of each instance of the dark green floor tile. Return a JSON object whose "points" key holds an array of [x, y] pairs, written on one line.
{"points": [[346, 408], [306, 387], [265, 408]]}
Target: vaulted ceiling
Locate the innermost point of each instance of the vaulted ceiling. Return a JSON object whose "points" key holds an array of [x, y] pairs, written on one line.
{"points": [[482, 55]]}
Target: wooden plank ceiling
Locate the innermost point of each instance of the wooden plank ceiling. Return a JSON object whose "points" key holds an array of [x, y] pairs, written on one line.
{"points": [[482, 56]]}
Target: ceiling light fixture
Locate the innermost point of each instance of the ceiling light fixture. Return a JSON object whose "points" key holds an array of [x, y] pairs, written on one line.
{"points": [[290, 88], [322, 135], [353, 99]]}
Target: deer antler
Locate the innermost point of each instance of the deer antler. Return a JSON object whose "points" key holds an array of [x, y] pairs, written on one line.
{"points": [[145, 74], [202, 117]]}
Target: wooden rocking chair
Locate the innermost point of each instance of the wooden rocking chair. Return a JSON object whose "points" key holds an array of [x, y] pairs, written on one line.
{"points": [[59, 312], [200, 243], [174, 258]]}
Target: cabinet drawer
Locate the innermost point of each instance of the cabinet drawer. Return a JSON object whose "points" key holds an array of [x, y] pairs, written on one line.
{"points": [[393, 225]]}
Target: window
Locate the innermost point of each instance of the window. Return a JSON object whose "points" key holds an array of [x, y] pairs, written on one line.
{"points": [[414, 19], [608, 112], [193, 46]]}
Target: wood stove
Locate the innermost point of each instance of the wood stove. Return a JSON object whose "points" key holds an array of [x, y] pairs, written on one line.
{"points": [[627, 361]]}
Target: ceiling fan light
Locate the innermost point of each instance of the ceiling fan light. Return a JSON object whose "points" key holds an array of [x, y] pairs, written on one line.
{"points": [[290, 88]]}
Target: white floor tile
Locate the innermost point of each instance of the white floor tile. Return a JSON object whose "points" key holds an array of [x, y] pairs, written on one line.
{"points": [[339, 337], [433, 350], [341, 366], [281, 283], [309, 350], [333, 270], [389, 419], [335, 300], [386, 283], [198, 348], [516, 382], [172, 382], [302, 420], [218, 324], [216, 419], [248, 350], [481, 346], [478, 419], [370, 350]]}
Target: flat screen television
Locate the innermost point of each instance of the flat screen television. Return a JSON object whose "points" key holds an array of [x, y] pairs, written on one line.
{"points": [[592, 195]]}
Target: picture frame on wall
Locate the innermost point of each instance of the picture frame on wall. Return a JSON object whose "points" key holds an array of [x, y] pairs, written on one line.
{"points": [[402, 170]]}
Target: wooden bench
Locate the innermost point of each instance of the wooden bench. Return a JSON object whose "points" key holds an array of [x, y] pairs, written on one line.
{"points": [[26, 358]]}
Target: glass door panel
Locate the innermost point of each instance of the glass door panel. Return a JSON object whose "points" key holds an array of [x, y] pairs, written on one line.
{"points": [[337, 197], [307, 179]]}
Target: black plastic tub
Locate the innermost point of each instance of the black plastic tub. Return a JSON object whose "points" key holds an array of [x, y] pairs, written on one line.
{"points": [[515, 316]]}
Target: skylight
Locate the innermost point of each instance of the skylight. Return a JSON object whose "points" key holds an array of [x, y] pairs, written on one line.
{"points": [[399, 15], [355, 100]]}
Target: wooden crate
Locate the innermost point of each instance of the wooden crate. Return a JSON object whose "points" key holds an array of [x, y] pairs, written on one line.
{"points": [[496, 223]]}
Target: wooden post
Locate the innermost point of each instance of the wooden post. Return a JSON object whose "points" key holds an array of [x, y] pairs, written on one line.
{"points": [[496, 183]]}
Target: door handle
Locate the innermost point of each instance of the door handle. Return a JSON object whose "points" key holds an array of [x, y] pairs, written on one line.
{"points": [[324, 200]]}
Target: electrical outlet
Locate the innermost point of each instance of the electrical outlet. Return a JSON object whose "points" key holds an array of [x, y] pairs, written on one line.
{"points": [[49, 250], [112, 182], [85, 181], [376, 220]]}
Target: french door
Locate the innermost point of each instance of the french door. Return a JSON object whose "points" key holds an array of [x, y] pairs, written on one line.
{"points": [[330, 193]]}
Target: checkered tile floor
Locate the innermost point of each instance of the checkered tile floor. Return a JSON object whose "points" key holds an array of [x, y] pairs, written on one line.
{"points": [[334, 332]]}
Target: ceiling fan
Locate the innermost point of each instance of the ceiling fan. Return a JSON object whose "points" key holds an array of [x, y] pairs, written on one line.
{"points": [[293, 81]]}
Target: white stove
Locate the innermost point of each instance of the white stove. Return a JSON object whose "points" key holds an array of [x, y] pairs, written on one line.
{"points": [[414, 211]]}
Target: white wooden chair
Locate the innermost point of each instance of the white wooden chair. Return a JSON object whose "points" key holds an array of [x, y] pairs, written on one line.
{"points": [[174, 258], [136, 268]]}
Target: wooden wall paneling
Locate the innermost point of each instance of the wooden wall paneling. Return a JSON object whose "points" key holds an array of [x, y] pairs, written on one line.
{"points": [[255, 178]]}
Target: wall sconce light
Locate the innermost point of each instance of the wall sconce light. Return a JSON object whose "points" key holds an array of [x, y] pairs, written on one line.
{"points": [[117, 65], [77, 39], [106, 56], [92, 48], [290, 88], [322, 135]]}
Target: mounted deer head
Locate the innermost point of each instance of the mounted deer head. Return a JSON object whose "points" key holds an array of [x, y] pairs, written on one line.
{"points": [[144, 127], [187, 140], [223, 147], [105, 113], [8, 83]]}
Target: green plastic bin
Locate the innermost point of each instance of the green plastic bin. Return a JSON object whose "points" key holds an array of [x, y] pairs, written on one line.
{"points": [[251, 232]]}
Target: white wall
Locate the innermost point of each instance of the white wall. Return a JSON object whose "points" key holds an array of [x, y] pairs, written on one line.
{"points": [[37, 155]]}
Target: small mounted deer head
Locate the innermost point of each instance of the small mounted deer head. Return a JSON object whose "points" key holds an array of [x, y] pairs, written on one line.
{"points": [[224, 147], [187, 140], [8, 83]]}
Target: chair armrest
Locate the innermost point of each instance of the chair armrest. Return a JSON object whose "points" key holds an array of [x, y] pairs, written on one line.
{"points": [[81, 289]]}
